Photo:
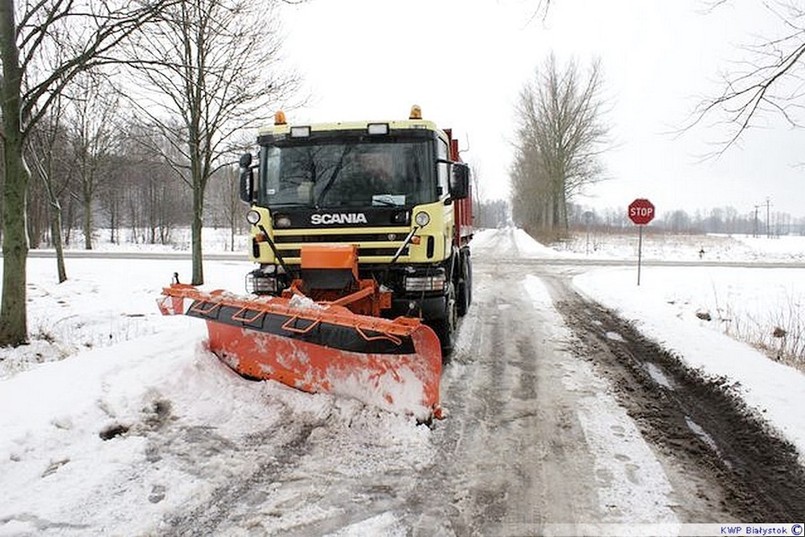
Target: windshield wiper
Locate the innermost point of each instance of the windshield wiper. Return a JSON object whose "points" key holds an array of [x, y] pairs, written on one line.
{"points": [[289, 204]]}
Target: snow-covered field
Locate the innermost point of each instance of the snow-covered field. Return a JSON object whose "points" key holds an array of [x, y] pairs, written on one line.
{"points": [[103, 362], [662, 246], [764, 307]]}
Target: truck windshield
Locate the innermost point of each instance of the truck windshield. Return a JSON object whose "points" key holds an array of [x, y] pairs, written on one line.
{"points": [[355, 174]]}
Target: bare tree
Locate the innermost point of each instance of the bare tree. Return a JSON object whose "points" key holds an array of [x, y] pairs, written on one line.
{"points": [[208, 71], [767, 81], [47, 145], [559, 141], [224, 196], [85, 32], [92, 119], [145, 191], [541, 9], [36, 213], [112, 195]]}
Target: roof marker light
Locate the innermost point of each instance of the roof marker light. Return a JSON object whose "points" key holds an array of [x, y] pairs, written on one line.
{"points": [[416, 112], [300, 132], [378, 128], [279, 118]]}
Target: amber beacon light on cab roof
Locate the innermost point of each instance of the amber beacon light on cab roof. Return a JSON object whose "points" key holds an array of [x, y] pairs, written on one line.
{"points": [[360, 232]]}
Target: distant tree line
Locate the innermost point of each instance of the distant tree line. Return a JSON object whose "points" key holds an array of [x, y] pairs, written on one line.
{"points": [[725, 220], [125, 189], [492, 214]]}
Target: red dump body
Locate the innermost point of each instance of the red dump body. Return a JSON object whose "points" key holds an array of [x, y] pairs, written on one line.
{"points": [[463, 207]]}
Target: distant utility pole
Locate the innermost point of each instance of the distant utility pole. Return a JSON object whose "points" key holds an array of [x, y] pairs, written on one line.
{"points": [[768, 220], [755, 223]]}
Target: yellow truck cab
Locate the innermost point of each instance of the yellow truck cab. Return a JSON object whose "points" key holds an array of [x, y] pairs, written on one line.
{"points": [[395, 189]]}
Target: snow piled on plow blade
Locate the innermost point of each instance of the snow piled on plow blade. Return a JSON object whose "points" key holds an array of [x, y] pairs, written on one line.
{"points": [[392, 365], [399, 390], [402, 383]]}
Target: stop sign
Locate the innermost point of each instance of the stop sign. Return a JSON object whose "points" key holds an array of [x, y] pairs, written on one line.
{"points": [[641, 211]]}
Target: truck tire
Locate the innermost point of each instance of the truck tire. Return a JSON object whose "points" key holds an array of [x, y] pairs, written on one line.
{"points": [[464, 298], [445, 328]]}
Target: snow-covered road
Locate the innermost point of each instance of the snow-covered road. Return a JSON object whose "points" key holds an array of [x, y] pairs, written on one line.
{"points": [[546, 432]]}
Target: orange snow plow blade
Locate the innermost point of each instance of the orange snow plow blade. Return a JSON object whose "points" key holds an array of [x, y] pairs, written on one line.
{"points": [[320, 347]]}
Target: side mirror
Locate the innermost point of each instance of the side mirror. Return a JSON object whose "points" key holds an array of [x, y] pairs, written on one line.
{"points": [[246, 178], [459, 181]]}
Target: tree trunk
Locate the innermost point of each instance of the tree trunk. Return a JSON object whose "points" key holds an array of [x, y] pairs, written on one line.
{"points": [[113, 210], [195, 228], [54, 214], [87, 202], [13, 311], [55, 224], [55, 232]]}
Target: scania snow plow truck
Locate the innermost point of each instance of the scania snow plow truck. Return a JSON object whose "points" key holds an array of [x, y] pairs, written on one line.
{"points": [[361, 233]]}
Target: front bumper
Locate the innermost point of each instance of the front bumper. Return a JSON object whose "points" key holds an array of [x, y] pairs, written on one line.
{"points": [[428, 308]]}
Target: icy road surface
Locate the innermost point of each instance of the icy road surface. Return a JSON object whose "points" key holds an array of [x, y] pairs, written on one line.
{"points": [[560, 419]]}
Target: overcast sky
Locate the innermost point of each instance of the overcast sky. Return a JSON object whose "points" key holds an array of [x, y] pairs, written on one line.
{"points": [[465, 63]]}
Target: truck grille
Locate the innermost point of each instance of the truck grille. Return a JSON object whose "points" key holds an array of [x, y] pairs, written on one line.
{"points": [[383, 244], [352, 239], [294, 253]]}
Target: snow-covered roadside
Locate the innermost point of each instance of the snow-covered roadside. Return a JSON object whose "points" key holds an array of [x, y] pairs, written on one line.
{"points": [[125, 432], [53, 442], [103, 302], [664, 308], [91, 438]]}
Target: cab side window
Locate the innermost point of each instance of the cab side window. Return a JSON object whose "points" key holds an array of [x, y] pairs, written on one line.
{"points": [[441, 154]]}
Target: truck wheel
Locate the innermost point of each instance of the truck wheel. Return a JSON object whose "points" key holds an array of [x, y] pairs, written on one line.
{"points": [[446, 328], [469, 281], [464, 298]]}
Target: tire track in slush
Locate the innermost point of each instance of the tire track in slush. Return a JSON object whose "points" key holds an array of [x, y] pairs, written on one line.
{"points": [[513, 452], [696, 422], [455, 494]]}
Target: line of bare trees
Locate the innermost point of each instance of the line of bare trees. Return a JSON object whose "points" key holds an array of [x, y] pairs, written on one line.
{"points": [[107, 180], [721, 220], [110, 107]]}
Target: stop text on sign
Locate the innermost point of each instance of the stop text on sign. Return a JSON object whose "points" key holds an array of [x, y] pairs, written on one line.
{"points": [[641, 211]]}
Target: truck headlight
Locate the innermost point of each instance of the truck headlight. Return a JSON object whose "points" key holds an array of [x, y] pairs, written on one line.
{"points": [[259, 283], [431, 282], [253, 217], [422, 219]]}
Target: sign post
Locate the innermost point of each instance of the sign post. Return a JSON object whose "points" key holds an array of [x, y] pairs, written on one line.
{"points": [[641, 212]]}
